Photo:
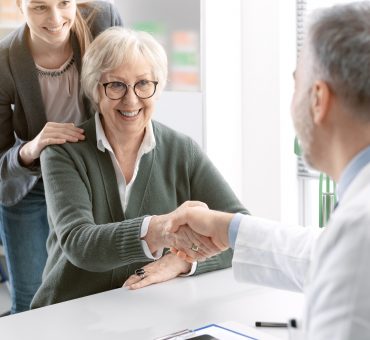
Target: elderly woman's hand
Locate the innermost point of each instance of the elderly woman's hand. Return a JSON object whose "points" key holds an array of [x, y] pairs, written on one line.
{"points": [[194, 245], [164, 269], [213, 225]]}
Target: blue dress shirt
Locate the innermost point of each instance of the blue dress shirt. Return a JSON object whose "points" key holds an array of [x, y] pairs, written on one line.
{"points": [[234, 228], [352, 169]]}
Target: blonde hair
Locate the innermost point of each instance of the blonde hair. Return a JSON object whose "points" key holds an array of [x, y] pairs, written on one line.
{"points": [[114, 47], [81, 26]]}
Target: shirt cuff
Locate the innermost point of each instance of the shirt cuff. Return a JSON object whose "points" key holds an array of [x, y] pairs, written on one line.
{"points": [[192, 270], [144, 230], [234, 228]]}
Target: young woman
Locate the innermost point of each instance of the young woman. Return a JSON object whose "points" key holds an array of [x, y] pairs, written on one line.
{"points": [[40, 105]]}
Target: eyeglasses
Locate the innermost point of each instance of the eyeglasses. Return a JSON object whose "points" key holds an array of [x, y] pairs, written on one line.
{"points": [[143, 89]]}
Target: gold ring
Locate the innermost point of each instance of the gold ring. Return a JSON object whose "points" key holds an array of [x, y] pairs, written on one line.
{"points": [[194, 247]]}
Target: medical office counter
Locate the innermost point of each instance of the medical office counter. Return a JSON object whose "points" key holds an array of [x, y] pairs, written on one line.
{"points": [[186, 302]]}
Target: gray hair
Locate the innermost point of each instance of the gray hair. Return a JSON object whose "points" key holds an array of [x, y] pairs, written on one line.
{"points": [[339, 43], [112, 48]]}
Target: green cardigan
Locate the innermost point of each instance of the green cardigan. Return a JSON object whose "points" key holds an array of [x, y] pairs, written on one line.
{"points": [[93, 245]]}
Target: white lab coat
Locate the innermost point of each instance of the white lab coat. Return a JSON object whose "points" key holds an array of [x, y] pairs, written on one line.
{"points": [[331, 266]]}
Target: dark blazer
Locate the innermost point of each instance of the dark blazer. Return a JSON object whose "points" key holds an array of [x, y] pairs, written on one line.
{"points": [[22, 112]]}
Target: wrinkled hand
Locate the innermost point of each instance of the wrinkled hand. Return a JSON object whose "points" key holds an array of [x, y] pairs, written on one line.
{"points": [[52, 133], [158, 237], [209, 223], [185, 238], [164, 269]]}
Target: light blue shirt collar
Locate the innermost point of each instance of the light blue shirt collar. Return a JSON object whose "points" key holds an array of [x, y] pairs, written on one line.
{"points": [[351, 170]]}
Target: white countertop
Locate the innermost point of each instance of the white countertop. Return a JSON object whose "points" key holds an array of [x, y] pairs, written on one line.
{"points": [[189, 302]]}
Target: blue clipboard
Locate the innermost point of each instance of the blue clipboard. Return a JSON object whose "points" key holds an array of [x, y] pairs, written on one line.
{"points": [[226, 329]]}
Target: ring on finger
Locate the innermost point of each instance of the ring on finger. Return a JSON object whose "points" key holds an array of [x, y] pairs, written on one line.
{"points": [[140, 272], [194, 247]]}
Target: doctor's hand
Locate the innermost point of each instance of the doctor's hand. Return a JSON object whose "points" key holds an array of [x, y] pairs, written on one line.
{"points": [[209, 223], [166, 268], [52, 133]]}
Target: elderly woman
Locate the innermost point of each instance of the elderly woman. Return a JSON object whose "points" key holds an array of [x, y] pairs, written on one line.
{"points": [[107, 196]]}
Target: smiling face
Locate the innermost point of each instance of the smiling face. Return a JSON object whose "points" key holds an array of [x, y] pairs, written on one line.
{"points": [[129, 115], [49, 21]]}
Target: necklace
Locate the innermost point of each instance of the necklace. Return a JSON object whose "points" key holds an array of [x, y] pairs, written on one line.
{"points": [[57, 73]]}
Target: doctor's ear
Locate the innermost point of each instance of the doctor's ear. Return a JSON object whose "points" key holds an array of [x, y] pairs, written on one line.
{"points": [[320, 99]]}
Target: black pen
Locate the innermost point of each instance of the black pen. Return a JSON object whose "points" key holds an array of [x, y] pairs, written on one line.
{"points": [[271, 324]]}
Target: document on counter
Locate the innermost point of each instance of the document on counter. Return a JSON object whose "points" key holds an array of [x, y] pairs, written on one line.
{"points": [[231, 331]]}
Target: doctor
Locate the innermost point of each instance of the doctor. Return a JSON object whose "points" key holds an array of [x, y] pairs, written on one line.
{"points": [[331, 114]]}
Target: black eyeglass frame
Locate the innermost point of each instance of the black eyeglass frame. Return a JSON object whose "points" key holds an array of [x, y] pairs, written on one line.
{"points": [[127, 86]]}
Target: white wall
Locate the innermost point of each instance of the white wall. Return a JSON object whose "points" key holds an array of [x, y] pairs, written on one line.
{"points": [[261, 116], [248, 65], [249, 133], [222, 85], [269, 178]]}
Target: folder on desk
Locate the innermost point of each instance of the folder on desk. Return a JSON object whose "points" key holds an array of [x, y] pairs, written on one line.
{"points": [[223, 331], [233, 331]]}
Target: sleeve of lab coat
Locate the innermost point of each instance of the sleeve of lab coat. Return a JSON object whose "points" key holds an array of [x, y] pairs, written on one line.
{"points": [[273, 254]]}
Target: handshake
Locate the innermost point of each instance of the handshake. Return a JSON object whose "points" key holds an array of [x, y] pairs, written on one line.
{"points": [[192, 231]]}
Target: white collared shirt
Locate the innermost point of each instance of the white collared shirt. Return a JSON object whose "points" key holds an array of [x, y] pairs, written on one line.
{"points": [[124, 189], [147, 145]]}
